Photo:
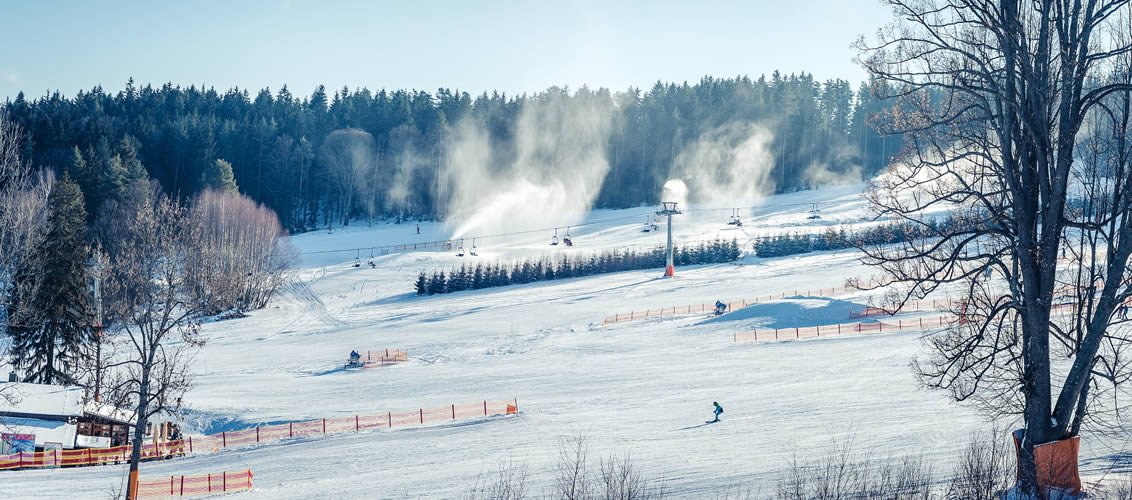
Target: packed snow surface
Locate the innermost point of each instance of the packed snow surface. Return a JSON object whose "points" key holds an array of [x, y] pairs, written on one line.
{"points": [[642, 387]]}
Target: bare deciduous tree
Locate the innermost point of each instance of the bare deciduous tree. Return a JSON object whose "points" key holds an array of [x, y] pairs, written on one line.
{"points": [[996, 94], [348, 155], [151, 296], [23, 209], [243, 257]]}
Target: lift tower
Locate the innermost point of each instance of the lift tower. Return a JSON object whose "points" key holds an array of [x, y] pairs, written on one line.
{"points": [[669, 209]]}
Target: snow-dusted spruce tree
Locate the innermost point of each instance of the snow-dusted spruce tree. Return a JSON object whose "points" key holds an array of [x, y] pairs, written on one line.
{"points": [[151, 298], [997, 98], [50, 315]]}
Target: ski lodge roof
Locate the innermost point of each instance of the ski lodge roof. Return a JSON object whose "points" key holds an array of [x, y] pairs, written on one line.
{"points": [[41, 401]]}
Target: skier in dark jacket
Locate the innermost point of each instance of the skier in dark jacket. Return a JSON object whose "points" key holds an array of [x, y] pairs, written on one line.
{"points": [[718, 410]]}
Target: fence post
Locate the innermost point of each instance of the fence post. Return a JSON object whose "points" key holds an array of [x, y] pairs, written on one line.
{"points": [[775, 334], [224, 438], [224, 481], [485, 407], [390, 416], [290, 429], [182, 485], [257, 434], [422, 415], [170, 485], [357, 424], [210, 483], [796, 334], [324, 426], [631, 315], [453, 411], [89, 461], [921, 323]]}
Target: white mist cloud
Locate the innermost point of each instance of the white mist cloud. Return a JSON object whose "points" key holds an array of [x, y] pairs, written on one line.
{"points": [[552, 175], [730, 163], [675, 190]]}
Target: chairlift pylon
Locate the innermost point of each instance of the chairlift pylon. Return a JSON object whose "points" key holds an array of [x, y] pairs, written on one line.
{"points": [[814, 213]]}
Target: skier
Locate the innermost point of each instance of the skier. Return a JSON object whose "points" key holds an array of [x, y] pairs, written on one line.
{"points": [[418, 229], [718, 410], [355, 357], [720, 307]]}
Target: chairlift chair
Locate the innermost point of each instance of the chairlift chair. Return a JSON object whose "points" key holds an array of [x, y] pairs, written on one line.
{"points": [[460, 252], [734, 220], [648, 225], [554, 240], [472, 251], [566, 239], [358, 259]]}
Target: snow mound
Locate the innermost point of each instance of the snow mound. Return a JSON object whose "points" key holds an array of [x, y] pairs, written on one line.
{"points": [[792, 312]]}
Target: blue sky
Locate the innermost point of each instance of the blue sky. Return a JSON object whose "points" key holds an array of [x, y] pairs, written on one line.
{"points": [[471, 45]]}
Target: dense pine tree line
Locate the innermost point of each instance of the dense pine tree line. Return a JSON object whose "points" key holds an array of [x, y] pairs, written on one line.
{"points": [[547, 268], [274, 143], [841, 238]]}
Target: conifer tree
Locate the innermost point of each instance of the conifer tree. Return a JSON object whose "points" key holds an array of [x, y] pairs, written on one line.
{"points": [[50, 313], [217, 176]]}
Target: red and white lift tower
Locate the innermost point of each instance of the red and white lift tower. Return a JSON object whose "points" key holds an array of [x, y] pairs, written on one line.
{"points": [[669, 209]]}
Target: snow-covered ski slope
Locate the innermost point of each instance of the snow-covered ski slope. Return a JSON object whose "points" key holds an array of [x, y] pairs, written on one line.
{"points": [[643, 387]]}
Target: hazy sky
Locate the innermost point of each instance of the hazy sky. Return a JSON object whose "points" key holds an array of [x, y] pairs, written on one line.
{"points": [[469, 45]]}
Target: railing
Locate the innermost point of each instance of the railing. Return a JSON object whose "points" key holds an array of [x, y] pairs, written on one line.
{"points": [[205, 484], [771, 334], [212, 443], [731, 305]]}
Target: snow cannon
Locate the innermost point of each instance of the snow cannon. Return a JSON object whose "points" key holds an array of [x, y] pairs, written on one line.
{"points": [[355, 360]]}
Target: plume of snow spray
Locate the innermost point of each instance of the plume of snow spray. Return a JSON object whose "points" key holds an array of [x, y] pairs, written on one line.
{"points": [[552, 174], [675, 190], [731, 163]]}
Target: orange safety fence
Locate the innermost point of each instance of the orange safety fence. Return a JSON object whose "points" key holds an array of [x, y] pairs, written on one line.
{"points": [[204, 484], [913, 305], [228, 439], [731, 305], [88, 456], [374, 359], [769, 334]]}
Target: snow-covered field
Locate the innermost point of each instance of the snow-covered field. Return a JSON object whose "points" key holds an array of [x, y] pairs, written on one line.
{"points": [[643, 387]]}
